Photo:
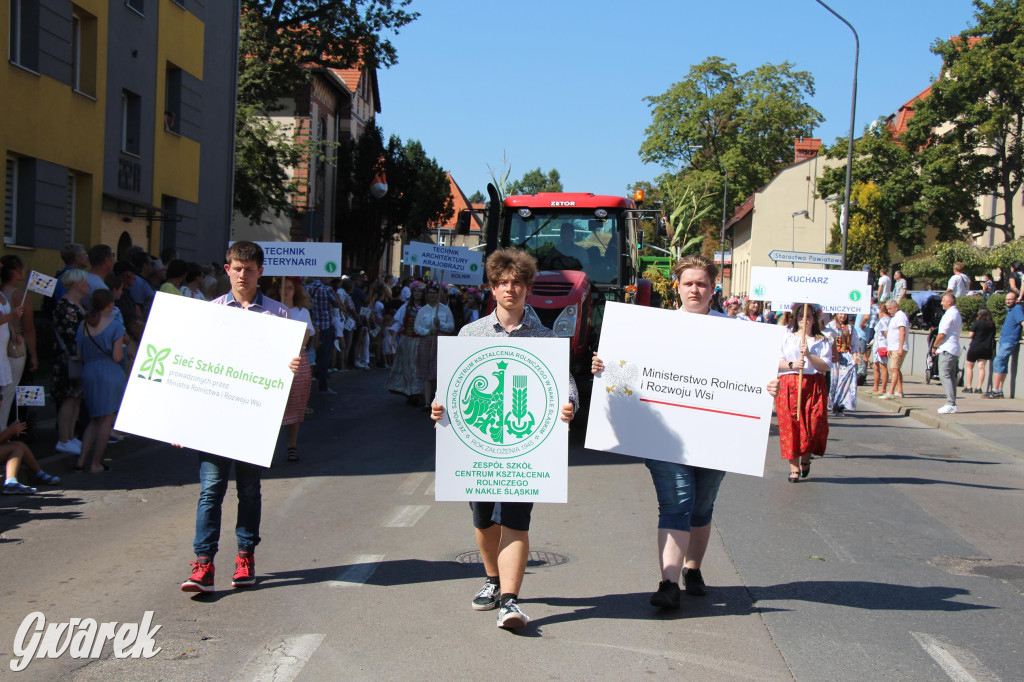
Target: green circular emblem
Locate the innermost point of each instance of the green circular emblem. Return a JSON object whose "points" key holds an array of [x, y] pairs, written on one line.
{"points": [[503, 402], [855, 295], [759, 291], [474, 267], [330, 266]]}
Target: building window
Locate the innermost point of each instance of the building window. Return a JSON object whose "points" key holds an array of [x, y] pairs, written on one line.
{"points": [[69, 210], [11, 200], [83, 51], [131, 122], [137, 5], [172, 100], [23, 34]]}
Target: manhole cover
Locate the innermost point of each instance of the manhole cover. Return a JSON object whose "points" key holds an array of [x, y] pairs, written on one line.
{"points": [[537, 558]]}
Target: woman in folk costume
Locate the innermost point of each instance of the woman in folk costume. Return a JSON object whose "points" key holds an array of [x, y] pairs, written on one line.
{"points": [[801, 405], [846, 351], [433, 319], [402, 379]]}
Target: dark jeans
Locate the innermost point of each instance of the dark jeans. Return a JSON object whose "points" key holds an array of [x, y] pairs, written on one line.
{"points": [[323, 357], [213, 477]]}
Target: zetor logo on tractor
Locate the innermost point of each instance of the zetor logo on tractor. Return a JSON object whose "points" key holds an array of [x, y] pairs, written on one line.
{"points": [[587, 251]]}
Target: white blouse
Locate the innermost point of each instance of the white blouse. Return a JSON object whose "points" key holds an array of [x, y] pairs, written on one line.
{"points": [[821, 347]]}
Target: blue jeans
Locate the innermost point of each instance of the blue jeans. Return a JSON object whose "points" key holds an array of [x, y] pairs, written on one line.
{"points": [[686, 494], [1001, 362], [213, 477]]}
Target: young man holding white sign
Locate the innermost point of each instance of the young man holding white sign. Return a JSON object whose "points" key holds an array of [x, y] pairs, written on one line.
{"points": [[502, 528], [686, 494], [244, 268]]}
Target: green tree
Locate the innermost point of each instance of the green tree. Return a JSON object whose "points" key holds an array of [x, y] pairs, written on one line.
{"points": [[902, 200], [866, 243], [279, 43], [536, 181], [418, 196], [717, 118], [477, 197], [970, 129]]}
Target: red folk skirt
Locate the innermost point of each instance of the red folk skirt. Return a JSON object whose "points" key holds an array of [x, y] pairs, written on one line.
{"points": [[809, 434]]}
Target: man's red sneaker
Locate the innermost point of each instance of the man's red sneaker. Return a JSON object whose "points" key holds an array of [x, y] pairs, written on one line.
{"points": [[245, 570], [201, 579]]}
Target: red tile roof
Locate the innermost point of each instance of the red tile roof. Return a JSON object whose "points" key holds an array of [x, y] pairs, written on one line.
{"points": [[898, 121], [461, 203]]}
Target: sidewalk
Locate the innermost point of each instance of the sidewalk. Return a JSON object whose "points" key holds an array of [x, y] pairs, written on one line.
{"points": [[996, 423]]}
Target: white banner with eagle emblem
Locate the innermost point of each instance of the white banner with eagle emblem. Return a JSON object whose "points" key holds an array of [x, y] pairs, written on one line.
{"points": [[501, 439], [684, 388]]}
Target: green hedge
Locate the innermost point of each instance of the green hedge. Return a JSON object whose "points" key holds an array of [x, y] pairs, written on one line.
{"points": [[997, 306], [969, 307]]}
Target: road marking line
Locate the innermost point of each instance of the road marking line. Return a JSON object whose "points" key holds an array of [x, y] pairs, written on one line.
{"points": [[359, 570], [405, 516], [411, 482], [837, 549], [430, 488], [937, 650], [284, 661]]}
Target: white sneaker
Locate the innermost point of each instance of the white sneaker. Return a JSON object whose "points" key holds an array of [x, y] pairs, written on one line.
{"points": [[947, 409], [77, 442], [886, 396], [70, 447], [897, 395]]}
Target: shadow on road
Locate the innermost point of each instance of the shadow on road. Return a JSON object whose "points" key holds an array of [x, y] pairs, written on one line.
{"points": [[906, 480], [873, 596]]}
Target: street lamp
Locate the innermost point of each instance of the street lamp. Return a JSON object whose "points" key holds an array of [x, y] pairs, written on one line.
{"points": [[828, 200], [849, 148], [793, 233]]}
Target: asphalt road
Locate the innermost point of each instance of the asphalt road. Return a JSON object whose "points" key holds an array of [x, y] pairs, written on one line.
{"points": [[901, 557]]}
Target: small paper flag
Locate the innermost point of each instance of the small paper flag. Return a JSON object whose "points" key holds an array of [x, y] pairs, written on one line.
{"points": [[31, 396], [41, 284]]}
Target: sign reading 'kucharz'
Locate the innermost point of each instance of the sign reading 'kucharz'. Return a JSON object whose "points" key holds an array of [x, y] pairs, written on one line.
{"points": [[502, 439], [844, 291]]}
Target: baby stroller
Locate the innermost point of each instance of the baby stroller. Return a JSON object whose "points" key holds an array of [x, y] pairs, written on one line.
{"points": [[931, 362]]}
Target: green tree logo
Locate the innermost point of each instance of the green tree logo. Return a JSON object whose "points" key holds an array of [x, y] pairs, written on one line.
{"points": [[855, 295], [154, 362], [413, 258], [330, 266], [474, 267]]}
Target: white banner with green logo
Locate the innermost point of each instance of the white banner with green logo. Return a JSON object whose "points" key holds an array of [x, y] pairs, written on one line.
{"points": [[301, 259], [843, 291], [501, 439], [685, 388], [452, 264], [211, 377]]}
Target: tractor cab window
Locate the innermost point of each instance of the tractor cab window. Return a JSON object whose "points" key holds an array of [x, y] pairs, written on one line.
{"points": [[570, 241]]}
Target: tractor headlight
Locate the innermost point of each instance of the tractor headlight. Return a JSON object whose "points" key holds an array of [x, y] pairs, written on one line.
{"points": [[565, 323]]}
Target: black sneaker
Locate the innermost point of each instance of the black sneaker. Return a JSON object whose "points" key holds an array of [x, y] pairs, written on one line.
{"points": [[510, 617], [667, 596], [488, 597], [694, 582]]}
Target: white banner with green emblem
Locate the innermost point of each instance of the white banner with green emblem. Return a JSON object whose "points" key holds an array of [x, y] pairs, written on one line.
{"points": [[843, 291], [453, 264], [211, 377], [501, 439]]}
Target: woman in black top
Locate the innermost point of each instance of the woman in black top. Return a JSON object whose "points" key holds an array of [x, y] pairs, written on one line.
{"points": [[981, 350]]}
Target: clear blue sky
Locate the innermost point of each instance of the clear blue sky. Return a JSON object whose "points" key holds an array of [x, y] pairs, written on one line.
{"points": [[560, 84]]}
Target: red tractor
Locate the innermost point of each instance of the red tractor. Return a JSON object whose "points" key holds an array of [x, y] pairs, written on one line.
{"points": [[586, 246]]}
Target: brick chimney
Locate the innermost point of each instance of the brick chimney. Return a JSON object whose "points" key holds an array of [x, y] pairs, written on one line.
{"points": [[806, 148]]}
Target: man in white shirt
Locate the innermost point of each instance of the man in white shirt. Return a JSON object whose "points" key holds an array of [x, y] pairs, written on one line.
{"points": [[959, 283], [897, 343], [899, 287], [884, 285], [947, 349]]}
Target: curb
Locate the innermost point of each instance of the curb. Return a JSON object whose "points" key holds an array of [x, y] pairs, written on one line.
{"points": [[923, 416]]}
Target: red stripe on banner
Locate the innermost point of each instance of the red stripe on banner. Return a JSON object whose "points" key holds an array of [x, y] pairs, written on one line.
{"points": [[702, 409]]}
